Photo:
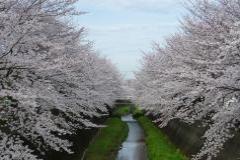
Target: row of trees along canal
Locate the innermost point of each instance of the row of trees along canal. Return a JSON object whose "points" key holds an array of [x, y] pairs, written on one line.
{"points": [[52, 82], [195, 76]]}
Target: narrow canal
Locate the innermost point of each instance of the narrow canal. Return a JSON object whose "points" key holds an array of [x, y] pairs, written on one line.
{"points": [[134, 147]]}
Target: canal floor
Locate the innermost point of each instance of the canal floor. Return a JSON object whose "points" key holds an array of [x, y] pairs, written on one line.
{"points": [[134, 147]]}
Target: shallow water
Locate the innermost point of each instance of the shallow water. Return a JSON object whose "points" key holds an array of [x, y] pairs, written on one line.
{"points": [[134, 147]]}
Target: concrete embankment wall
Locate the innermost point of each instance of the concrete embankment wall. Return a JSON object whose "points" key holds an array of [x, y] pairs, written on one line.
{"points": [[189, 139]]}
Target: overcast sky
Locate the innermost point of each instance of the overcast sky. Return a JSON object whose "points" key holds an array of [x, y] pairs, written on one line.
{"points": [[122, 29]]}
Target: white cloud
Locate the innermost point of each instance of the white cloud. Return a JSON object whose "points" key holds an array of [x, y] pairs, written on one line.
{"points": [[121, 29], [136, 4]]}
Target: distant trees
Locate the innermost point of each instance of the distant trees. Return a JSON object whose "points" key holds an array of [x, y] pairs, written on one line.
{"points": [[51, 80], [196, 75]]}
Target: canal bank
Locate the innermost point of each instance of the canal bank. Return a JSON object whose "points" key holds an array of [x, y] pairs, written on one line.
{"points": [[159, 146], [128, 137]]}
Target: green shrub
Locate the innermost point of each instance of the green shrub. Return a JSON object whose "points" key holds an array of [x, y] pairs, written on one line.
{"points": [[121, 111], [137, 112]]}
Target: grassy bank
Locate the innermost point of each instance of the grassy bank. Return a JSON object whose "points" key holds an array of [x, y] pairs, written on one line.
{"points": [[158, 145], [108, 140]]}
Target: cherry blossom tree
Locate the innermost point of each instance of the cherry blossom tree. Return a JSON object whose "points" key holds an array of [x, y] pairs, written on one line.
{"points": [[52, 81], [195, 76]]}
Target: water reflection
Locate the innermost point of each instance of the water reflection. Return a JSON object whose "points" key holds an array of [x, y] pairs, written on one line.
{"points": [[134, 147]]}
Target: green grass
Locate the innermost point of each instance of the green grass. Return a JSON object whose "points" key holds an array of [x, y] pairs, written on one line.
{"points": [[121, 110], [159, 146], [107, 142], [137, 112]]}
